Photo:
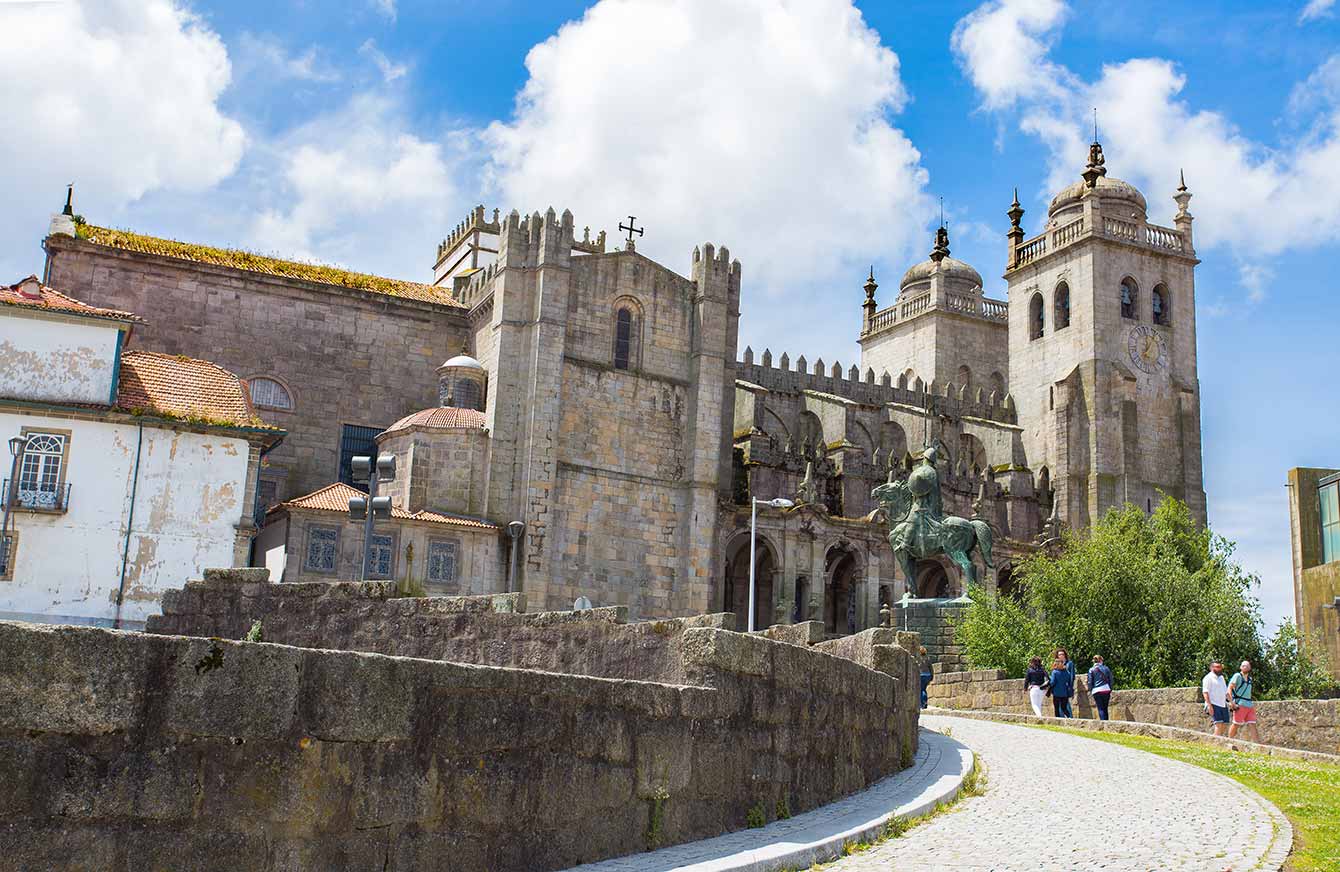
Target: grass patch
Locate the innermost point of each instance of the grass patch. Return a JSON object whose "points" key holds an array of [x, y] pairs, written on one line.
{"points": [[974, 784], [1307, 793]]}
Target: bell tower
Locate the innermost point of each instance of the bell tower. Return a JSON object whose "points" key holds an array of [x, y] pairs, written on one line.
{"points": [[1102, 339]]}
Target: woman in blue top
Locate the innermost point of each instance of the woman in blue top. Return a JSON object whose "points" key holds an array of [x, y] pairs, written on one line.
{"points": [[1069, 666], [1063, 687]]}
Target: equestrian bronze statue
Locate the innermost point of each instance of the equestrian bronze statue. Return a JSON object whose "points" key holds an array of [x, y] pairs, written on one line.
{"points": [[919, 528]]}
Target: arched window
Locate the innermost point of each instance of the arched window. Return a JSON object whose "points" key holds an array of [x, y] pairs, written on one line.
{"points": [[998, 386], [266, 393], [1035, 317], [1061, 307], [965, 378], [627, 334], [1129, 296], [1158, 301]]}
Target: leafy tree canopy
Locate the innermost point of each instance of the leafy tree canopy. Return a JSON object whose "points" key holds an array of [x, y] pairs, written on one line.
{"points": [[1157, 595]]}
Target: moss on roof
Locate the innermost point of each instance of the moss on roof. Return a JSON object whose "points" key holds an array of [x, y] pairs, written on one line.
{"points": [[260, 263]]}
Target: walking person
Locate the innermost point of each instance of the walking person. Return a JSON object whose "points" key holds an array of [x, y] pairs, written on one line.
{"points": [[1240, 703], [1100, 685], [1036, 684], [1062, 688], [924, 662], [1214, 689], [1069, 665]]}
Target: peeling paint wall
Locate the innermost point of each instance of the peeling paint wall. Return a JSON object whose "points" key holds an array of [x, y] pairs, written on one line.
{"points": [[57, 361], [187, 507]]}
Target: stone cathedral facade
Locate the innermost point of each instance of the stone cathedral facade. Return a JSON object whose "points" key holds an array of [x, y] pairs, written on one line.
{"points": [[595, 402]]}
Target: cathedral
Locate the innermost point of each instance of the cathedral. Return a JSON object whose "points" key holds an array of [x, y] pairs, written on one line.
{"points": [[577, 421]]}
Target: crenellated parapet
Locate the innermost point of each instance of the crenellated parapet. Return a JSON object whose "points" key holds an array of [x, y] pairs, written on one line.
{"points": [[475, 222], [866, 389]]}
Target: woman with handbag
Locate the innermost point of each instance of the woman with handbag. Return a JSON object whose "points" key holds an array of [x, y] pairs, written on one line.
{"points": [[1036, 684]]}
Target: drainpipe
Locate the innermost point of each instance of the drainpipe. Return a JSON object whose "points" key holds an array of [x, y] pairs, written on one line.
{"points": [[130, 520]]}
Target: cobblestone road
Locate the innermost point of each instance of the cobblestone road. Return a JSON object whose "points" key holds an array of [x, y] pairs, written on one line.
{"points": [[1062, 802]]}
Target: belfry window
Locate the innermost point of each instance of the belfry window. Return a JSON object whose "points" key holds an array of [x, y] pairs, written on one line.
{"points": [[623, 338], [1129, 295], [1159, 303], [1061, 307], [1035, 317]]}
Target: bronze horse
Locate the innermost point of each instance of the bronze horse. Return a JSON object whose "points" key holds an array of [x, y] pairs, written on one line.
{"points": [[919, 528]]}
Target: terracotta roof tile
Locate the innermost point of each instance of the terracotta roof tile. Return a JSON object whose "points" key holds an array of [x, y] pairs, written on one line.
{"points": [[259, 263], [39, 296], [183, 387], [441, 417], [335, 498]]}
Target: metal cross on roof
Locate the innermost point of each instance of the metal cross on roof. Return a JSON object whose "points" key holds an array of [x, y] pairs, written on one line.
{"points": [[631, 228]]}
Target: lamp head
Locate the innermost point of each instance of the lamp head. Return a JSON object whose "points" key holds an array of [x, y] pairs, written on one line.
{"points": [[16, 444], [781, 503]]}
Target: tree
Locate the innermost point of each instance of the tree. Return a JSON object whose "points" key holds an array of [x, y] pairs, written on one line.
{"points": [[1289, 671], [1156, 595]]}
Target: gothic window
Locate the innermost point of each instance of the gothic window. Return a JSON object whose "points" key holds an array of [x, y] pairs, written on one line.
{"points": [[42, 471], [381, 556], [1159, 303], [998, 386], [443, 559], [965, 377], [266, 393], [323, 550], [1061, 308], [1035, 317], [627, 333], [1129, 295]]}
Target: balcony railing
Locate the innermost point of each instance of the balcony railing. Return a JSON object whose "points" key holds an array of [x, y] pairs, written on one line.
{"points": [[41, 498]]}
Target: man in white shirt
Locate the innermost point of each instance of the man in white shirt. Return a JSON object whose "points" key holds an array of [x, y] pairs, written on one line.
{"points": [[1215, 690]]}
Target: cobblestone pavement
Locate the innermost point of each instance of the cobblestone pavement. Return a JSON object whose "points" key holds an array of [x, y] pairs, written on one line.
{"points": [[1061, 802]]}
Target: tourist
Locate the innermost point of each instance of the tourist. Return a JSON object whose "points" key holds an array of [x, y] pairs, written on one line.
{"points": [[1062, 687], [924, 662], [1100, 685], [1215, 690], [1035, 684], [1069, 664], [1240, 703]]}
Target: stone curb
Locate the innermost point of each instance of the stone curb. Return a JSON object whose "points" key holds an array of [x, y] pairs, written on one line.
{"points": [[776, 847], [1138, 728]]}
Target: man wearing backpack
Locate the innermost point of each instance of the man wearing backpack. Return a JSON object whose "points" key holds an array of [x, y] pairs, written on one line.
{"points": [[1240, 703], [1100, 685]]}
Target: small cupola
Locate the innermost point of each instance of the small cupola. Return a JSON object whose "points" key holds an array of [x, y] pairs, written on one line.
{"points": [[462, 383]]}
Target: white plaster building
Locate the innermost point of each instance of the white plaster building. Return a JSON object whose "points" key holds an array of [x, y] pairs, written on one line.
{"points": [[129, 471]]}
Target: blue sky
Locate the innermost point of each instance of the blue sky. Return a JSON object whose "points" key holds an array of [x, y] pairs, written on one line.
{"points": [[812, 138]]}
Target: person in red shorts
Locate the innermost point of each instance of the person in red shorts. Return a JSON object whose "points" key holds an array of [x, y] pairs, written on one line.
{"points": [[1240, 703]]}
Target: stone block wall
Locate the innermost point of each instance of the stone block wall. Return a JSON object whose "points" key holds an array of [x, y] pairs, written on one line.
{"points": [[203, 754], [1305, 724], [932, 621], [892, 652], [485, 630]]}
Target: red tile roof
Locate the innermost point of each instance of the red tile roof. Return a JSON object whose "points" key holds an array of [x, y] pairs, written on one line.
{"points": [[259, 263], [174, 386], [441, 418], [30, 293], [335, 498]]}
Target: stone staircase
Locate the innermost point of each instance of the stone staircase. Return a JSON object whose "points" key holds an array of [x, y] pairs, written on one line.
{"points": [[931, 618]]}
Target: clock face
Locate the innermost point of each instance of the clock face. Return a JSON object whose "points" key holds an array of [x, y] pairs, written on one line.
{"points": [[1148, 350]]}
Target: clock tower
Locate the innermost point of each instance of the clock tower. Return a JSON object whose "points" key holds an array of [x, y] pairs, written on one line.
{"points": [[1102, 336]]}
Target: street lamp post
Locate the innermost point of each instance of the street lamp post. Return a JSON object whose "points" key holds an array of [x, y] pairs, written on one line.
{"points": [[778, 503], [16, 444]]}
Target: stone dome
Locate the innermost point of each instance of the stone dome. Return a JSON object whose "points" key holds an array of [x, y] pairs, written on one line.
{"points": [[950, 268], [463, 361], [440, 418], [1107, 188]]}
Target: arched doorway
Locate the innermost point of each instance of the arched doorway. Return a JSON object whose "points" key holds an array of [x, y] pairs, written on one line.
{"points": [[1005, 584], [840, 606], [932, 581], [735, 590]]}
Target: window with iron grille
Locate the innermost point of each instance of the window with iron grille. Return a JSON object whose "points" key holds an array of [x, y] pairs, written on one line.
{"points": [[270, 394], [9, 552], [323, 549], [40, 476], [356, 441], [381, 556], [443, 558]]}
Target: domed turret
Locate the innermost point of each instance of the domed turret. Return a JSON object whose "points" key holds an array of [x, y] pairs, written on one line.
{"points": [[462, 382], [956, 274], [1116, 197]]}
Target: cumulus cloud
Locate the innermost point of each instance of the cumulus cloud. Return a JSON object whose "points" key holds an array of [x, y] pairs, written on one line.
{"points": [[386, 8], [760, 124], [1316, 9], [119, 96], [357, 187], [1260, 199]]}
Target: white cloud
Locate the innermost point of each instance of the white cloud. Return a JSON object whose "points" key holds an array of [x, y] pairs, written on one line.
{"points": [[390, 71], [386, 8], [118, 96], [1316, 9], [1258, 198], [267, 54], [358, 188], [761, 124]]}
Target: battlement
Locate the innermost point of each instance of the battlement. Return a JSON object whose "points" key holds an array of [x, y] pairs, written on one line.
{"points": [[851, 385], [474, 222], [711, 262]]}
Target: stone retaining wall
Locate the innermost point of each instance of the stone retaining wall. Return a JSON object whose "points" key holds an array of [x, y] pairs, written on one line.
{"points": [[484, 630], [202, 754], [1305, 724]]}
